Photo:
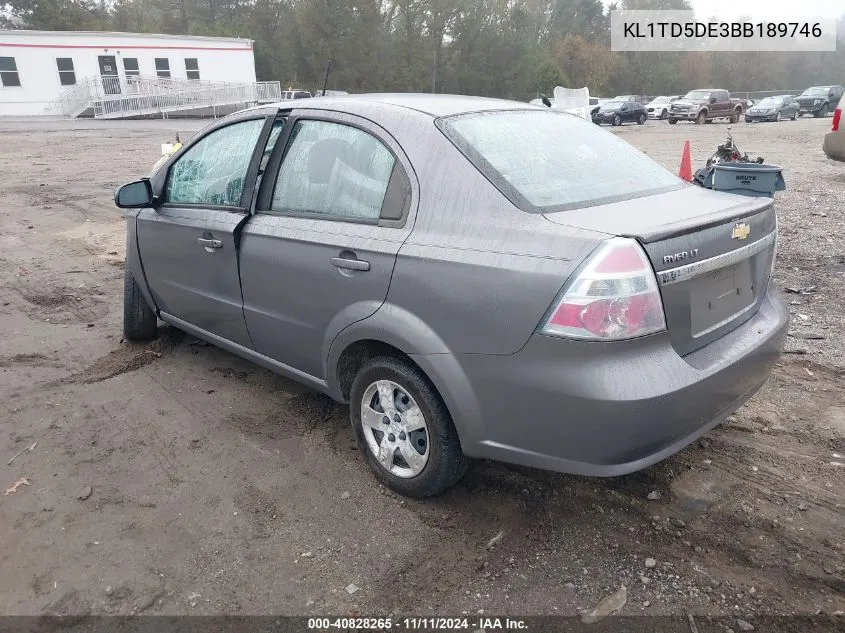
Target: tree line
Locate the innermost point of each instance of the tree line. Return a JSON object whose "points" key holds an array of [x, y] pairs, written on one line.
{"points": [[504, 48]]}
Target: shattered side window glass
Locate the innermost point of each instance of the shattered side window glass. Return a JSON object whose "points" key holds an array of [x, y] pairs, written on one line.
{"points": [[331, 169], [212, 172]]}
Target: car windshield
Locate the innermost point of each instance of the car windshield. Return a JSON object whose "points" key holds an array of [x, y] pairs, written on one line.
{"points": [[660, 100], [551, 161], [698, 95], [613, 104], [815, 92], [770, 102]]}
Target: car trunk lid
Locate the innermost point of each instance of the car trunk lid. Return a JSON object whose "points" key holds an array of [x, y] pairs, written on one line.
{"points": [[712, 253]]}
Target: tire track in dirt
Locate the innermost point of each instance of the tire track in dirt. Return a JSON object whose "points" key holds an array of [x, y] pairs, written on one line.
{"points": [[129, 357]]}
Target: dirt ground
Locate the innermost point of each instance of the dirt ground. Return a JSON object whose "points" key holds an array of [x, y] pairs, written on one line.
{"points": [[176, 478]]}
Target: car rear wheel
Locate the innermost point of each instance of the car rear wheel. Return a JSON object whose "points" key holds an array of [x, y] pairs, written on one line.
{"points": [[139, 321], [701, 118], [641, 119], [617, 120], [735, 116], [404, 429]]}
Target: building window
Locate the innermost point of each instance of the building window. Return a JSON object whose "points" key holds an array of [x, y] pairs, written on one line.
{"points": [[162, 67], [130, 67], [192, 68], [67, 77], [9, 72]]}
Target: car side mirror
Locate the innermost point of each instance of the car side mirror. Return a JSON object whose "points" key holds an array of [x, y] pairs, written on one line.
{"points": [[135, 195]]}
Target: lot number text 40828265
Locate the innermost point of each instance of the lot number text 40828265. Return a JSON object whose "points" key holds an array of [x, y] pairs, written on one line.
{"points": [[416, 624]]}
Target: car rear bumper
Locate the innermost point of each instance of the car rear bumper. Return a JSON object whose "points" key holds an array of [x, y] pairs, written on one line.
{"points": [[834, 145], [607, 409]]}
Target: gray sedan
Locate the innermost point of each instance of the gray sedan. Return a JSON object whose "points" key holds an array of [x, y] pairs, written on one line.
{"points": [[773, 109], [477, 278]]}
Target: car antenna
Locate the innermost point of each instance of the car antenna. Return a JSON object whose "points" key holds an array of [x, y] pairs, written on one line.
{"points": [[326, 80]]}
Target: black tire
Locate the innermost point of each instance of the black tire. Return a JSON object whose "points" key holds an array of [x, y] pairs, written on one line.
{"points": [[446, 461], [701, 118], [735, 116], [139, 321], [617, 120], [641, 119], [673, 121], [824, 110], [664, 114]]}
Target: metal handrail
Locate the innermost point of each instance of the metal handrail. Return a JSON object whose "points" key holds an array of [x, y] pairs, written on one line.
{"points": [[110, 96]]}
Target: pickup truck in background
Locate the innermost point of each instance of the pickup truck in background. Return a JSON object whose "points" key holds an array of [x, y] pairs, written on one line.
{"points": [[819, 100], [705, 105]]}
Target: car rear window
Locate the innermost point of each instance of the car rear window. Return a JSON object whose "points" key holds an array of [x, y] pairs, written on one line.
{"points": [[545, 161]]}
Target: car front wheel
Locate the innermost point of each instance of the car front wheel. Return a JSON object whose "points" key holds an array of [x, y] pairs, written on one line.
{"points": [[139, 321], [701, 118], [664, 114], [404, 429], [777, 116], [617, 120], [673, 121]]}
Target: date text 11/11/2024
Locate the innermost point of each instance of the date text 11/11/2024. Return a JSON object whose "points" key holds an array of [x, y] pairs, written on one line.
{"points": [[416, 624]]}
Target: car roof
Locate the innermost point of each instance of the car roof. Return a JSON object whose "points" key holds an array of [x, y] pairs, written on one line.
{"points": [[432, 104]]}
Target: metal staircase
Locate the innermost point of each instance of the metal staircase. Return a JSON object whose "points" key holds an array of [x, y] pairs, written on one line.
{"points": [[117, 98]]}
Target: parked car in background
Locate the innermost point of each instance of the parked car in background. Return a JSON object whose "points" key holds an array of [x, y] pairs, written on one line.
{"points": [[641, 99], [773, 109], [834, 141], [819, 100], [617, 112], [365, 260], [595, 108], [296, 94], [658, 108], [706, 105]]}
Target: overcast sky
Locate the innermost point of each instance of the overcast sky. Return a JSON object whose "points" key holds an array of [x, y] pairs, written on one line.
{"points": [[772, 10]]}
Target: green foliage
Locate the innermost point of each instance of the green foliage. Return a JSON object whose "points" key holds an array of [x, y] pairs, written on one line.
{"points": [[504, 48]]}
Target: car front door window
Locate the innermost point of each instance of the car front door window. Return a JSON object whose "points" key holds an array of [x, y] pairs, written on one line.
{"points": [[212, 171], [333, 170]]}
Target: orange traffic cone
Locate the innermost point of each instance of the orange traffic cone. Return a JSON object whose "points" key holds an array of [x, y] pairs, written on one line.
{"points": [[686, 164]]}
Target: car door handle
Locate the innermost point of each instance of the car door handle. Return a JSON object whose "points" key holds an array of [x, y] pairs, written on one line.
{"points": [[207, 243], [350, 264]]}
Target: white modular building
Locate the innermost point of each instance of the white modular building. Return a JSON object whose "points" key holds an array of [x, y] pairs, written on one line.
{"points": [[107, 74]]}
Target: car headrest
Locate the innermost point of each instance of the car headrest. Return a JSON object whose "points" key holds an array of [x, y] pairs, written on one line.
{"points": [[322, 157]]}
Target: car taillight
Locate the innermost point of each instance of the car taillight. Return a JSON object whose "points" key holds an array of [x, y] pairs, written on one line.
{"points": [[837, 115], [613, 296]]}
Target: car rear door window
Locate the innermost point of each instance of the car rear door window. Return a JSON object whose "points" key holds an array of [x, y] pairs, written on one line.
{"points": [[333, 170], [544, 160], [212, 171]]}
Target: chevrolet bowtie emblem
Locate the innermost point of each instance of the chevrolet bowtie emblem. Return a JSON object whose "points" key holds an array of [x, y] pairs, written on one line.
{"points": [[740, 231]]}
